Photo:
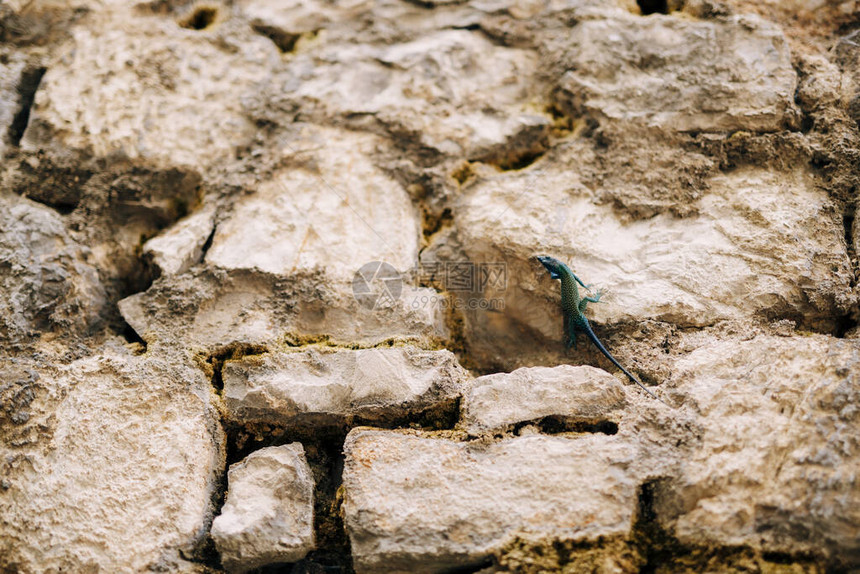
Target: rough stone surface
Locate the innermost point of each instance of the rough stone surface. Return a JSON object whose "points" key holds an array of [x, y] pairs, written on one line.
{"points": [[447, 95], [210, 308], [111, 464], [679, 74], [778, 237], [142, 87], [319, 385], [416, 504], [847, 55], [48, 281], [571, 394], [360, 215], [181, 247], [190, 190], [384, 22], [776, 465], [269, 514]]}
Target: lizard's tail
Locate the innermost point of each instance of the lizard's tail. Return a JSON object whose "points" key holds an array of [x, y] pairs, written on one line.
{"points": [[587, 328]]}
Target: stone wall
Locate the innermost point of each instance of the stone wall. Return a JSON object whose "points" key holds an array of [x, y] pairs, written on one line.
{"points": [[269, 295]]}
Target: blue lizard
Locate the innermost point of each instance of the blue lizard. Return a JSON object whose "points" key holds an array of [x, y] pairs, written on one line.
{"points": [[573, 307]]}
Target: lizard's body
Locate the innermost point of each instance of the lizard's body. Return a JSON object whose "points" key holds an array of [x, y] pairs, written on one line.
{"points": [[573, 307]]}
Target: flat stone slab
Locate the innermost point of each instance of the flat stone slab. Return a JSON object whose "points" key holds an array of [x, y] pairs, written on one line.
{"points": [[331, 209], [139, 86], [112, 467], [496, 402], [778, 237], [682, 74], [269, 513], [419, 504], [320, 384], [209, 308], [776, 466]]}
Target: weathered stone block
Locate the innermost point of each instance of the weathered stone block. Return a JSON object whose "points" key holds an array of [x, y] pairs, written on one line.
{"points": [[269, 513], [450, 91], [209, 308], [117, 472], [416, 504], [332, 210], [318, 385], [47, 280], [144, 88], [776, 467], [572, 394], [681, 74], [779, 236], [181, 246]]}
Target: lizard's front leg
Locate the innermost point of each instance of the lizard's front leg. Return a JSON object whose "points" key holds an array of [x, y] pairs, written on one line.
{"points": [[583, 303]]}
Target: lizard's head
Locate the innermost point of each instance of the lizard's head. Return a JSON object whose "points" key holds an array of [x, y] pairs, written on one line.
{"points": [[553, 265]]}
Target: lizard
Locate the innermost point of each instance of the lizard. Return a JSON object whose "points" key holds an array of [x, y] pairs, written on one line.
{"points": [[573, 307]]}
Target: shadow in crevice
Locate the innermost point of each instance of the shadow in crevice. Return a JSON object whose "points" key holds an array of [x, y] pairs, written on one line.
{"points": [[201, 17], [27, 86], [648, 7], [323, 449], [559, 424], [322, 437], [132, 338], [285, 41]]}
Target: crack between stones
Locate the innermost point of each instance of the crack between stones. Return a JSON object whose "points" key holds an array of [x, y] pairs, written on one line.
{"points": [[132, 338], [556, 424], [208, 243], [848, 322], [213, 363], [28, 85], [297, 341], [323, 446]]}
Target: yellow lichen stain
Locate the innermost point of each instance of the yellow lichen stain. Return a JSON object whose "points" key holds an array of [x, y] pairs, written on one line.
{"points": [[603, 555], [463, 172]]}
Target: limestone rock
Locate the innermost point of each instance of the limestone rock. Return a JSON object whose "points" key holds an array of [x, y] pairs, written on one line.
{"points": [[777, 235], [113, 467], [286, 22], [318, 385], [47, 280], [331, 208], [269, 513], [416, 504], [449, 91], [776, 465], [847, 55], [572, 394], [689, 163], [142, 87], [210, 308], [297, 26], [680, 74], [181, 246]]}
